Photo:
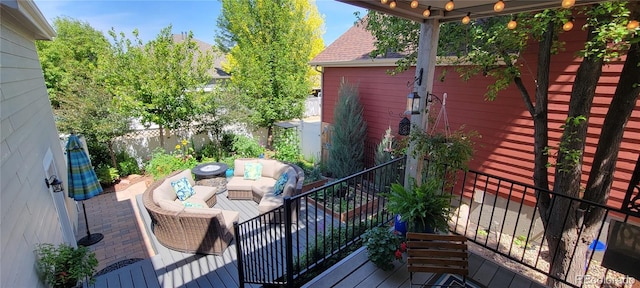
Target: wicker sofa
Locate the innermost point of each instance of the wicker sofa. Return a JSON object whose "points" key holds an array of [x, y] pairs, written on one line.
{"points": [[262, 190], [202, 229]]}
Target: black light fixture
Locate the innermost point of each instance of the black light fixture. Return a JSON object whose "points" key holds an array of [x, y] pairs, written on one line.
{"points": [[55, 183], [405, 126], [413, 103]]}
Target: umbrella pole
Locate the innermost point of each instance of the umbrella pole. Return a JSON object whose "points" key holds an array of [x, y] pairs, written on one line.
{"points": [[90, 239]]}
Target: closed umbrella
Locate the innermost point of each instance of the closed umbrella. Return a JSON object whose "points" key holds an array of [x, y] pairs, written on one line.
{"points": [[83, 183]]}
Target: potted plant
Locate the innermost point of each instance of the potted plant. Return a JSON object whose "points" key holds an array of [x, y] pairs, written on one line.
{"points": [[64, 265], [425, 208], [383, 247]]}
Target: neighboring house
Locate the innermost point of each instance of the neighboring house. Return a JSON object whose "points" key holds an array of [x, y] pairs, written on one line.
{"points": [[217, 73], [506, 146], [30, 149]]}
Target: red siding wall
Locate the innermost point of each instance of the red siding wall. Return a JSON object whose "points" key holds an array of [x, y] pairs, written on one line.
{"points": [[506, 146]]}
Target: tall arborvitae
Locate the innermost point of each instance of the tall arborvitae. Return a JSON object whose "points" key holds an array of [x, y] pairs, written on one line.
{"points": [[346, 153]]}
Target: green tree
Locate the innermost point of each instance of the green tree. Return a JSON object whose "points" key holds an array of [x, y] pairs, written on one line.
{"points": [[270, 43], [73, 65], [159, 80], [494, 50], [346, 153]]}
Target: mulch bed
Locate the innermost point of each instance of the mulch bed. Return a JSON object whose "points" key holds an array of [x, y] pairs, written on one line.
{"points": [[124, 183]]}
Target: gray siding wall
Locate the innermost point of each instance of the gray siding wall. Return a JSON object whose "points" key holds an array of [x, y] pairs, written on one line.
{"points": [[28, 215]]}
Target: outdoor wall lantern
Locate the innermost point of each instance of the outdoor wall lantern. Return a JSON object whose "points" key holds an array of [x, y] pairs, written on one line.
{"points": [[405, 126], [413, 103], [55, 183]]}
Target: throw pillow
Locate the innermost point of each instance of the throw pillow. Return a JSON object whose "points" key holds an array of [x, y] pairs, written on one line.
{"points": [[279, 187], [252, 171], [183, 188], [192, 205]]}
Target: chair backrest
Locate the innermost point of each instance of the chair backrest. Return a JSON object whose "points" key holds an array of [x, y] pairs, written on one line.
{"points": [[434, 253]]}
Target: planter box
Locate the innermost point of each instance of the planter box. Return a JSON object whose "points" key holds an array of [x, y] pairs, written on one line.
{"points": [[370, 206], [313, 185]]}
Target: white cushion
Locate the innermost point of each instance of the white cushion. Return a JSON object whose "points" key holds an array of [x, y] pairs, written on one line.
{"points": [[238, 165], [268, 167], [164, 191], [203, 192], [240, 184], [171, 206]]}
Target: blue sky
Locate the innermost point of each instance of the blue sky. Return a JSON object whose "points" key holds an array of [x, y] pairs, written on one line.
{"points": [[198, 16]]}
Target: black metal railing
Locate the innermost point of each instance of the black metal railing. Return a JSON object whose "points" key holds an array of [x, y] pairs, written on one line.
{"points": [[311, 231], [504, 217]]}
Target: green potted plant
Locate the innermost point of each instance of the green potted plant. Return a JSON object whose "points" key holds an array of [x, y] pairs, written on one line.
{"points": [[425, 208], [64, 265], [383, 247]]}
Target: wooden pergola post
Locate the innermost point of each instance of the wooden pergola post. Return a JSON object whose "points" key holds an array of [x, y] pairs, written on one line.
{"points": [[427, 50]]}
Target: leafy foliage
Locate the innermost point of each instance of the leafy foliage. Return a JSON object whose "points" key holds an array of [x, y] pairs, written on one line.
{"points": [[106, 174], [383, 247], [346, 153], [455, 150], [247, 147], [127, 165], [287, 145], [422, 205], [74, 66], [63, 265], [270, 44], [162, 164], [383, 153], [159, 80]]}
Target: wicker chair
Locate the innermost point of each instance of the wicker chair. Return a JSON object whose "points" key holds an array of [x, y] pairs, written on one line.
{"points": [[433, 253], [192, 230]]}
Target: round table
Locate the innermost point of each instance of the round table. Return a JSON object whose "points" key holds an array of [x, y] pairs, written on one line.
{"points": [[209, 170], [211, 174]]}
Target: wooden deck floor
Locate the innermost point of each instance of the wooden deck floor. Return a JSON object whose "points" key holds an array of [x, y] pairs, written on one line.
{"points": [[357, 271], [169, 268]]}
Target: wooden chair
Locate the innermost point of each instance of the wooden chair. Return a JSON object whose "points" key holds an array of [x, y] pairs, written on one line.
{"points": [[441, 254]]}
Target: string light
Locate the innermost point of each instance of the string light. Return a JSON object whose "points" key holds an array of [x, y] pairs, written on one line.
{"points": [[499, 6], [568, 3], [632, 25], [449, 6], [512, 24], [568, 25], [414, 4], [466, 19], [427, 12], [384, 1], [392, 5]]}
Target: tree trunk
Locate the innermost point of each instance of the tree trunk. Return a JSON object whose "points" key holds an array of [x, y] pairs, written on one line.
{"points": [[112, 154], [623, 102], [270, 137], [540, 117], [562, 225]]}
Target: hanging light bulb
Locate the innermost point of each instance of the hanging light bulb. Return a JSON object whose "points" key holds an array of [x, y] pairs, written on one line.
{"points": [[427, 12], [392, 5], [499, 6], [449, 6], [566, 4], [632, 25], [466, 19], [384, 1], [512, 24], [568, 25], [414, 4]]}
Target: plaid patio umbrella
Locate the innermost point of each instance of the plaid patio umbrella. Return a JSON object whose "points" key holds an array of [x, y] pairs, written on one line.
{"points": [[83, 182]]}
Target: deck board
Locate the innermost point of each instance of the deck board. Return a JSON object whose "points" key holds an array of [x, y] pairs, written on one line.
{"points": [[353, 272], [169, 268]]}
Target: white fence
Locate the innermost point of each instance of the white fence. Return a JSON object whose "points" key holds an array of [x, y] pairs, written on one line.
{"points": [[141, 143]]}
